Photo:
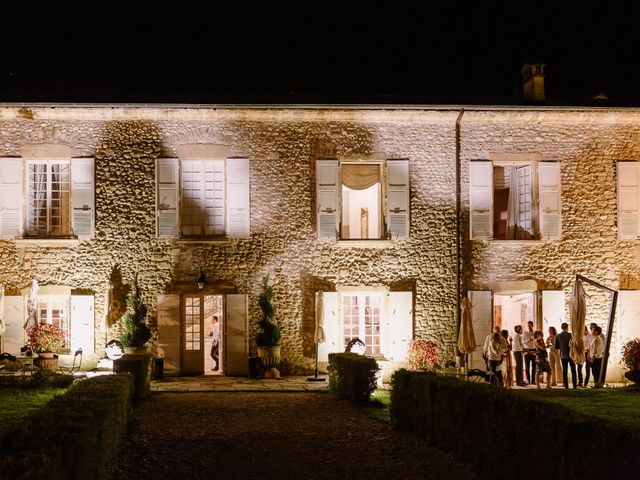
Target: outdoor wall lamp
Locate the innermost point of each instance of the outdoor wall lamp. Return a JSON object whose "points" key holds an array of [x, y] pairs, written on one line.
{"points": [[201, 281]]}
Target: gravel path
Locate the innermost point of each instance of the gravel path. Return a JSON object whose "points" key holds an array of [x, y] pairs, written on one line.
{"points": [[271, 435]]}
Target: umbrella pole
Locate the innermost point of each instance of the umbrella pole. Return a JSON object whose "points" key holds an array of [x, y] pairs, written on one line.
{"points": [[315, 378]]}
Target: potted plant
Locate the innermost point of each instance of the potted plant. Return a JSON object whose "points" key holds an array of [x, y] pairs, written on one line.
{"points": [[44, 339], [136, 330], [268, 338], [631, 360]]}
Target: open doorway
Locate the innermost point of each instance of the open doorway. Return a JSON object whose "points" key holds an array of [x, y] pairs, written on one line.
{"points": [[511, 309], [202, 346]]}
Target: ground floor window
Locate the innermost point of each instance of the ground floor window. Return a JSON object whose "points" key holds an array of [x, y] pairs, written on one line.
{"points": [[362, 318], [54, 310]]}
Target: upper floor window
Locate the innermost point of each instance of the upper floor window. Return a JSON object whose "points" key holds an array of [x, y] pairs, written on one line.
{"points": [[515, 201], [362, 200], [628, 200], [203, 198], [47, 198]]}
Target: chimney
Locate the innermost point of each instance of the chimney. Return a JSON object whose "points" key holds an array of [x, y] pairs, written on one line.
{"points": [[533, 81]]}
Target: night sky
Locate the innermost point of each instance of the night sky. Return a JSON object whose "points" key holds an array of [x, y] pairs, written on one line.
{"points": [[314, 52]]}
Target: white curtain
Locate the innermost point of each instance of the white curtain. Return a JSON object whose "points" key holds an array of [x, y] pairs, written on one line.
{"points": [[516, 229], [38, 222]]}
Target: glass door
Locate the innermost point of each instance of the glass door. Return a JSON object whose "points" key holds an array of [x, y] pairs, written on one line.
{"points": [[192, 335]]}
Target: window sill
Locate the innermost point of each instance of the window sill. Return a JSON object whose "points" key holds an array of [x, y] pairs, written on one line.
{"points": [[517, 242], [365, 243], [206, 240], [47, 242]]}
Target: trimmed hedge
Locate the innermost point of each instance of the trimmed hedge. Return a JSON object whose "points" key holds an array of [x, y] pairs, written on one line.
{"points": [[139, 365], [352, 376], [74, 436], [507, 434]]}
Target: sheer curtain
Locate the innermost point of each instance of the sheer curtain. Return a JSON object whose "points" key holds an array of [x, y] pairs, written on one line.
{"points": [[520, 204], [38, 224]]}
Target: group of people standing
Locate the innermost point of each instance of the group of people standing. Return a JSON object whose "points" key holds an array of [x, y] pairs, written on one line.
{"points": [[536, 356]]}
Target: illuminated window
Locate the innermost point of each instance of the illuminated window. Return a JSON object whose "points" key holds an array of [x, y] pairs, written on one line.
{"points": [[54, 310], [192, 323], [361, 201], [203, 197], [362, 318], [48, 209]]}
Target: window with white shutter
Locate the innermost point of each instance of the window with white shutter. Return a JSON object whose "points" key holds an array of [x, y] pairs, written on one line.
{"points": [[48, 198], [360, 200], [628, 200], [514, 200], [203, 197]]}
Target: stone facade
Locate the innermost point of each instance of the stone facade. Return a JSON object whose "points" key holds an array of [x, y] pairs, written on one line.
{"points": [[282, 145]]}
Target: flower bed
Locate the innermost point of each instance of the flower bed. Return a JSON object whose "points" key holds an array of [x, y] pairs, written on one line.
{"points": [[73, 436], [499, 430]]}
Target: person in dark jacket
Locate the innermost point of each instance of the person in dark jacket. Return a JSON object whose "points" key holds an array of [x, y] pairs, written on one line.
{"points": [[562, 342]]}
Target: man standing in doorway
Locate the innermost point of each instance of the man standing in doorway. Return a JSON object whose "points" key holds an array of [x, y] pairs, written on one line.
{"points": [[215, 345], [528, 340], [518, 349], [563, 344]]}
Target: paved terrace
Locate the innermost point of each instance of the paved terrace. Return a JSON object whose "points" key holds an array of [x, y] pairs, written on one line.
{"points": [[236, 384]]}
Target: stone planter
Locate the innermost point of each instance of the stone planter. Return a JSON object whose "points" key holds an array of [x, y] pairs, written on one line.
{"points": [[130, 350], [270, 359], [633, 375], [139, 365], [46, 360]]}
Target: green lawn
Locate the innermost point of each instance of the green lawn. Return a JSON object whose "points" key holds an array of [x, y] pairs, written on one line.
{"points": [[17, 403], [380, 404], [620, 405]]}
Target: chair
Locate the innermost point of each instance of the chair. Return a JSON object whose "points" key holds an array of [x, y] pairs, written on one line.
{"points": [[10, 365], [71, 369]]}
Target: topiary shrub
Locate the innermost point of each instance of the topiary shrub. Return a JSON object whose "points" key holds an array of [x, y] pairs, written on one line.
{"points": [[352, 376], [136, 330], [269, 334]]}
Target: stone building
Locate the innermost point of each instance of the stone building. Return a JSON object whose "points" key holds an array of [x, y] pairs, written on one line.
{"points": [[359, 203]]}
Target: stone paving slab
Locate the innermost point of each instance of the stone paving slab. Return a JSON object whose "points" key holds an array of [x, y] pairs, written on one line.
{"points": [[236, 384]]}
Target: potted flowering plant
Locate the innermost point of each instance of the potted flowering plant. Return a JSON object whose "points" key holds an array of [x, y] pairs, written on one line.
{"points": [[631, 360], [44, 339], [423, 355]]}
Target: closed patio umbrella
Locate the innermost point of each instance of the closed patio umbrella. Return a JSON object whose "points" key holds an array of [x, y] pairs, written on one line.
{"points": [[32, 305], [578, 314], [466, 336], [318, 333], [2, 325]]}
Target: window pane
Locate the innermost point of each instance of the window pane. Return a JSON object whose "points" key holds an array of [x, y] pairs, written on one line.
{"points": [[361, 208]]}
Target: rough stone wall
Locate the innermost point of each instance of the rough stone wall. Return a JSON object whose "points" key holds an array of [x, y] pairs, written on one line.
{"points": [[282, 146], [587, 145]]}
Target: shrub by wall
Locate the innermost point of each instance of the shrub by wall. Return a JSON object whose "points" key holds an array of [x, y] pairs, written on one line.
{"points": [[352, 376], [74, 436], [507, 434]]}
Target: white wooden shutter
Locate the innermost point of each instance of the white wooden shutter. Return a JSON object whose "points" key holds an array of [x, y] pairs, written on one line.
{"points": [[238, 198], [481, 315], [332, 328], [82, 324], [82, 197], [481, 199], [11, 197], [628, 316], [549, 200], [398, 199], [628, 200], [168, 195], [399, 325], [236, 328], [327, 199], [168, 321], [552, 310], [14, 337]]}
